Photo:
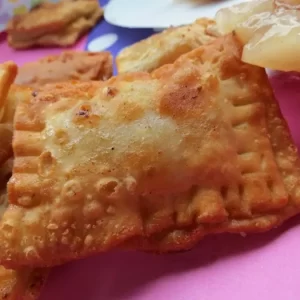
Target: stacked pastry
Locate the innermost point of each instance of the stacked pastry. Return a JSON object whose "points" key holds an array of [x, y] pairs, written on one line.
{"points": [[53, 24], [150, 160]]}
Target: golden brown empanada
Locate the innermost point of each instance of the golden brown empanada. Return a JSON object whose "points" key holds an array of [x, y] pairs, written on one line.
{"points": [[186, 147], [165, 47]]}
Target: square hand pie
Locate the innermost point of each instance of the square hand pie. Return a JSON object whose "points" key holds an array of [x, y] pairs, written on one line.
{"points": [[99, 163], [69, 65], [165, 47], [53, 24]]}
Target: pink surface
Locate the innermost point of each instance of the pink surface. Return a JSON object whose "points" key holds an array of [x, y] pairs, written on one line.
{"points": [[22, 56], [264, 266]]}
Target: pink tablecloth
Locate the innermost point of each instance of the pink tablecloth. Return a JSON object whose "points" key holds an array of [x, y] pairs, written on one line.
{"points": [[20, 57], [265, 266]]}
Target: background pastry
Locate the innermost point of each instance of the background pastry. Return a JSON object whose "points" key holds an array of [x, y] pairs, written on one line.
{"points": [[53, 24], [69, 65], [165, 47]]}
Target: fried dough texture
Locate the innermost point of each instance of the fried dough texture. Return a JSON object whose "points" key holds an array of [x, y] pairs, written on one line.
{"points": [[159, 160]]}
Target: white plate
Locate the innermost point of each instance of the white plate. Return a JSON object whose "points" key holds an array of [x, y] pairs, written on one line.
{"points": [[161, 13]]}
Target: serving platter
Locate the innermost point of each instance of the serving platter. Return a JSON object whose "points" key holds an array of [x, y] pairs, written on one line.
{"points": [[161, 13]]}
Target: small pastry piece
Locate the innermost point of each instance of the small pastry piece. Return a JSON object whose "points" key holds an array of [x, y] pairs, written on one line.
{"points": [[53, 24], [269, 30], [69, 65], [188, 146], [6, 131], [8, 72], [165, 47]]}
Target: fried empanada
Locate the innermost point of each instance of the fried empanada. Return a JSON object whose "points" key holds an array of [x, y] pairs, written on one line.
{"points": [[165, 47], [53, 24], [69, 65], [269, 29], [186, 147]]}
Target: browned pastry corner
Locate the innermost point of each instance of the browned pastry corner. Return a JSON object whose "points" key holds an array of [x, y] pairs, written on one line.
{"points": [[165, 47], [196, 147], [69, 65], [53, 24]]}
